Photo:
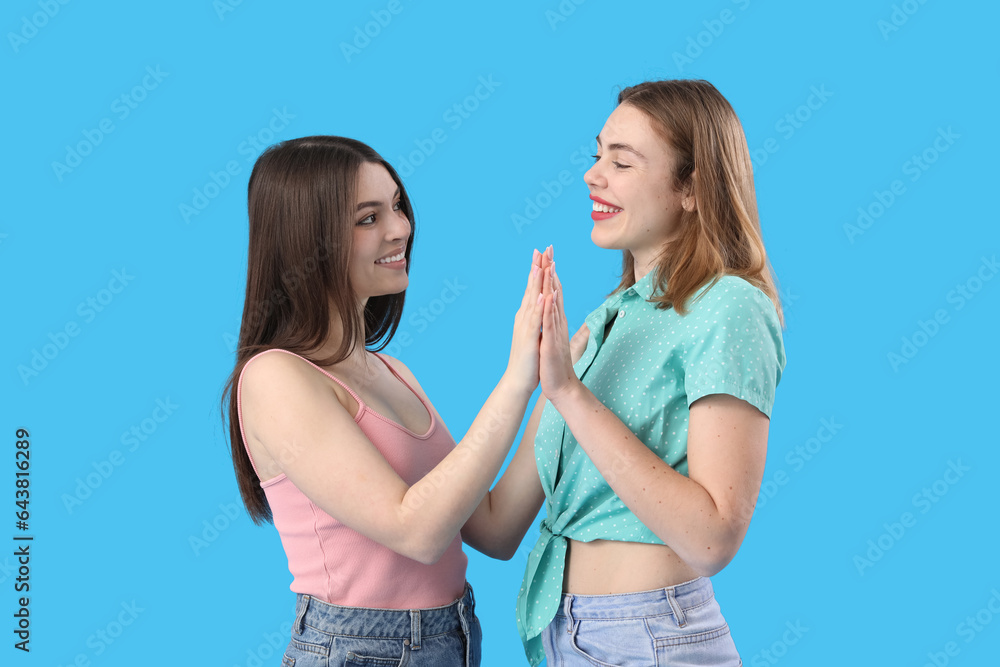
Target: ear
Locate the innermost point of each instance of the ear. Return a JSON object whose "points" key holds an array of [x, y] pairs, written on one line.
{"points": [[689, 203]]}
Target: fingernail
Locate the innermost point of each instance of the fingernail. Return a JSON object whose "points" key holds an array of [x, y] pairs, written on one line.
{"points": [[539, 300], [534, 271]]}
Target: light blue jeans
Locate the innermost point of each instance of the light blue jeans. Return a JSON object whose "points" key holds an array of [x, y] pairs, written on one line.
{"points": [[679, 625], [330, 635]]}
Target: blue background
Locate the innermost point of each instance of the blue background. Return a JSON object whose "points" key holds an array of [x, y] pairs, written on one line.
{"points": [[161, 541]]}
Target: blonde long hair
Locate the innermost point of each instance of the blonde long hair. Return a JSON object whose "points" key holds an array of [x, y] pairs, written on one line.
{"points": [[722, 236]]}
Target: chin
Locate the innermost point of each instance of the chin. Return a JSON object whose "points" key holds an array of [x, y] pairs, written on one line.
{"points": [[601, 240], [389, 290]]}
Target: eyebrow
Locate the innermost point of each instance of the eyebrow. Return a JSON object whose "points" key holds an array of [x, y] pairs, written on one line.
{"points": [[366, 204], [621, 147]]}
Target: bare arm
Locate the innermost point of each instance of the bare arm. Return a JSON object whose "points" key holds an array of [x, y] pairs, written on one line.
{"points": [[702, 517], [288, 407], [505, 514]]}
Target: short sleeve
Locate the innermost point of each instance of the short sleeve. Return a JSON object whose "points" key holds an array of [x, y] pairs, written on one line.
{"points": [[734, 345]]}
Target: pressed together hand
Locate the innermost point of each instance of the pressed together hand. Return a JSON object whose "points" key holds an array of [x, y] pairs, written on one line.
{"points": [[541, 349], [523, 363], [556, 355]]}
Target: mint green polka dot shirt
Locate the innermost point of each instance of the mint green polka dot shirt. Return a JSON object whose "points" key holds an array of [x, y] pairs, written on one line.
{"points": [[652, 367]]}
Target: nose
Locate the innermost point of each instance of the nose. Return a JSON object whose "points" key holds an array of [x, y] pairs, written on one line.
{"points": [[594, 177], [400, 227]]}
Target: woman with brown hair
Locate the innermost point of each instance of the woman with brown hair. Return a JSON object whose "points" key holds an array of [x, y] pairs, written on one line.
{"points": [[651, 448], [338, 445]]}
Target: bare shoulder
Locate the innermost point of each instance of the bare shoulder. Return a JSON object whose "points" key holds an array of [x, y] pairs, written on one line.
{"points": [[276, 372], [275, 380], [289, 407]]}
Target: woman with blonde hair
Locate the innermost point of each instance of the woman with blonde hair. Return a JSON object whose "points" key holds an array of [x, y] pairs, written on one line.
{"points": [[651, 448]]}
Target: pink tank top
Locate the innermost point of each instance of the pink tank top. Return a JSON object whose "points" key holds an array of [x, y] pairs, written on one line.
{"points": [[339, 565]]}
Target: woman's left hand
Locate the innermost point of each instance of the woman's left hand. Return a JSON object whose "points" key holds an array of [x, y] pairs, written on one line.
{"points": [[555, 369]]}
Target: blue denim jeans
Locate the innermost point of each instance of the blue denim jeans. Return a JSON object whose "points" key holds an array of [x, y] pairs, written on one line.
{"points": [[678, 625], [330, 635]]}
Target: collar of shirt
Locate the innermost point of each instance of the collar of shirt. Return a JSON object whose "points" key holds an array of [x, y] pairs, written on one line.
{"points": [[597, 321]]}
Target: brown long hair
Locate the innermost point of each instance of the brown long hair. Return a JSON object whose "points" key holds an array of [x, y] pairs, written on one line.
{"points": [[301, 203], [722, 236]]}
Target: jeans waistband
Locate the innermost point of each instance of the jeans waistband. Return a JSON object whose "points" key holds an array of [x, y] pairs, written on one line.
{"points": [[409, 624], [643, 603]]}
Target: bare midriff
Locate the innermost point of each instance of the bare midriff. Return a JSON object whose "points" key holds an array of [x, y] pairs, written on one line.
{"points": [[606, 567]]}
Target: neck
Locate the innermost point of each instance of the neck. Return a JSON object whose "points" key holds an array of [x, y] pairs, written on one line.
{"points": [[646, 260], [358, 356], [641, 265]]}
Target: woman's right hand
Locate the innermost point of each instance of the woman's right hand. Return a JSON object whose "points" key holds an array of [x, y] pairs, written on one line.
{"points": [[523, 364]]}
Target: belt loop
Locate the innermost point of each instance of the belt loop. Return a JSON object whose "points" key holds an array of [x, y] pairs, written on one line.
{"points": [[568, 612], [675, 607], [472, 596], [466, 627], [415, 629], [300, 617]]}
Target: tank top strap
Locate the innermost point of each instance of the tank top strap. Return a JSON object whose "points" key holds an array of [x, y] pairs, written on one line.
{"points": [[398, 376], [427, 406], [329, 375], [239, 396]]}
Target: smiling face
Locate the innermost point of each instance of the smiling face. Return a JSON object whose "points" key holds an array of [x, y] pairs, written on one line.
{"points": [[381, 230], [632, 187]]}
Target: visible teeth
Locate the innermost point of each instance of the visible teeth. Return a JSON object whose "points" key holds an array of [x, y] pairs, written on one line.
{"points": [[606, 209], [394, 258]]}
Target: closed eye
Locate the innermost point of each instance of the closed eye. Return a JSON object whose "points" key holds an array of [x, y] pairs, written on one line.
{"points": [[618, 165]]}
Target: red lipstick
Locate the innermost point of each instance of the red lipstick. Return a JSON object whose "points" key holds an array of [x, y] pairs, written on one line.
{"points": [[601, 215]]}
